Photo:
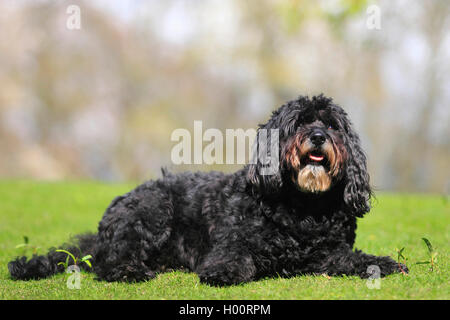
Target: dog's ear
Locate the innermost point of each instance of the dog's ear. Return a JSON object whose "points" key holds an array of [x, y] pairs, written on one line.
{"points": [[263, 172], [357, 191]]}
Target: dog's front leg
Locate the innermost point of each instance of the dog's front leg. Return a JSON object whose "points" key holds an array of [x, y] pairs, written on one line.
{"points": [[226, 264], [358, 263]]}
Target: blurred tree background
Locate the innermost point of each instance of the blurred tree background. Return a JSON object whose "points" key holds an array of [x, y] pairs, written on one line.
{"points": [[101, 102]]}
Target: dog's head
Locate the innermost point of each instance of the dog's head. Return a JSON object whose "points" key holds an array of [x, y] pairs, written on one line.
{"points": [[317, 150]]}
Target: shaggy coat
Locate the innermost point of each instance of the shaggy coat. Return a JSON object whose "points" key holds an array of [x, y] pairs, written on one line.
{"points": [[240, 227]]}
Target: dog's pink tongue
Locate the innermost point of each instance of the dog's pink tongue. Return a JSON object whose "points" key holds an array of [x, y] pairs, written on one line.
{"points": [[315, 158]]}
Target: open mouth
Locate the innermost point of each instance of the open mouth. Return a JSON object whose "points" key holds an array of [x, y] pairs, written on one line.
{"points": [[316, 157]]}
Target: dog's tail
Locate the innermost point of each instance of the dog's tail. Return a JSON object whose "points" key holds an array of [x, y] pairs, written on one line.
{"points": [[44, 266]]}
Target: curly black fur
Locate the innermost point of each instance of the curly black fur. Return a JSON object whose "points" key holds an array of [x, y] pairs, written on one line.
{"points": [[240, 227]]}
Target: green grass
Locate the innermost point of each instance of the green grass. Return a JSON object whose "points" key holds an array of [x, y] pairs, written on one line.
{"points": [[48, 213]]}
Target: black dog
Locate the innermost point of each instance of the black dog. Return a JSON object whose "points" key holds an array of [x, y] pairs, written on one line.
{"points": [[241, 227]]}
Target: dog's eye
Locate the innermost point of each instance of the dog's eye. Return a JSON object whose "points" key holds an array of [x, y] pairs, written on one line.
{"points": [[330, 127]]}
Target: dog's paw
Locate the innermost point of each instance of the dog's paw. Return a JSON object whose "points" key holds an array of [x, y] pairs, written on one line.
{"points": [[394, 267], [232, 269], [218, 277], [384, 267], [390, 266], [214, 280], [402, 268]]}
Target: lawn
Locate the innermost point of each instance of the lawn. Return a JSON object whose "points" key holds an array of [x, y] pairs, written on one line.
{"points": [[48, 213]]}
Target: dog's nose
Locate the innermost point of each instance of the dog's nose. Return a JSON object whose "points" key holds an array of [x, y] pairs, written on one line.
{"points": [[317, 138]]}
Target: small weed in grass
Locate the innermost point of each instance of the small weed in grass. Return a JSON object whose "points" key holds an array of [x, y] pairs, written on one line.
{"points": [[432, 255], [25, 246], [400, 256], [84, 259]]}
